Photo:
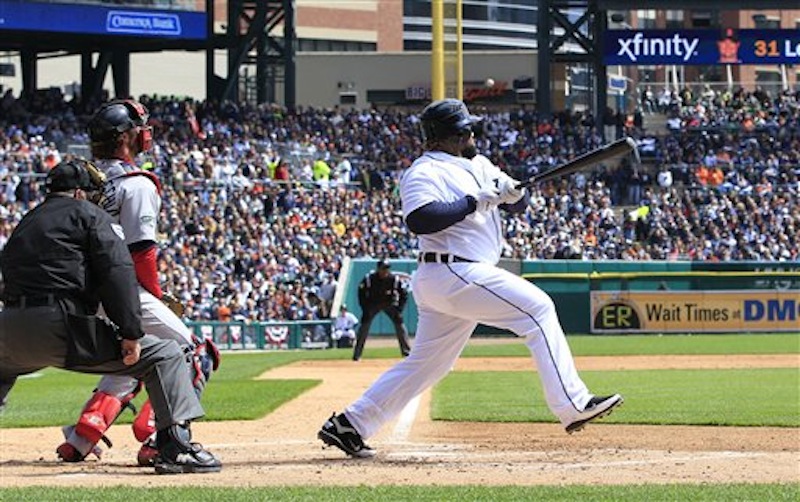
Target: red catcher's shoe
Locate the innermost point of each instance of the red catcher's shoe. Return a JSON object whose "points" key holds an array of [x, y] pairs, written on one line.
{"points": [[68, 453], [147, 456]]}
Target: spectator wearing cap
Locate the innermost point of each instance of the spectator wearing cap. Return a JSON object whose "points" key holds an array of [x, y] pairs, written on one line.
{"points": [[382, 291], [344, 333]]}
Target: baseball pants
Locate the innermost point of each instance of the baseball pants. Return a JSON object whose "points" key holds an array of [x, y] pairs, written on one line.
{"points": [[400, 330], [157, 320], [452, 300], [35, 338]]}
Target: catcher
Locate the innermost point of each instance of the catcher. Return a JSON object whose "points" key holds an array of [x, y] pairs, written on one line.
{"points": [[119, 131], [65, 257]]}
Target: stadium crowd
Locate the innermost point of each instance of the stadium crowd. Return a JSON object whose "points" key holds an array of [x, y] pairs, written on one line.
{"points": [[262, 204]]}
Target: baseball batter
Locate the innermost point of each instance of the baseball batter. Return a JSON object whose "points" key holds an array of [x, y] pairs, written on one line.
{"points": [[119, 131], [451, 198]]}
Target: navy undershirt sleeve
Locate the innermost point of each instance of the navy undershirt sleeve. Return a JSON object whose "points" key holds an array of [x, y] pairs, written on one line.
{"points": [[436, 216], [518, 206]]}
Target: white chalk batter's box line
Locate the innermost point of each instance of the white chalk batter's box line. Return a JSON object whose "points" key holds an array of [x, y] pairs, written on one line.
{"points": [[443, 451]]}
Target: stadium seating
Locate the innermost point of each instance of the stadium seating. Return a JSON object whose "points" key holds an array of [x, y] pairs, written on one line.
{"points": [[262, 204]]}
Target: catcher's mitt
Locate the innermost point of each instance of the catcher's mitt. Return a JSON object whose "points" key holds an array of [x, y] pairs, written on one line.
{"points": [[173, 303]]}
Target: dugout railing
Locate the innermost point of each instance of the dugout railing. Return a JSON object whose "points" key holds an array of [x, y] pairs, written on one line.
{"points": [[277, 335]]}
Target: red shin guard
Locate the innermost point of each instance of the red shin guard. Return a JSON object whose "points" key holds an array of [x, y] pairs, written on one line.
{"points": [[145, 423], [98, 415]]}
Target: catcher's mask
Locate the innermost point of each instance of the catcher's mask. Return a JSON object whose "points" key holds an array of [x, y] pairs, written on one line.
{"points": [[77, 173], [118, 116], [445, 118]]}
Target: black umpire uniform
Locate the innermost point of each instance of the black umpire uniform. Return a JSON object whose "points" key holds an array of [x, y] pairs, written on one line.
{"points": [[381, 291], [62, 260]]}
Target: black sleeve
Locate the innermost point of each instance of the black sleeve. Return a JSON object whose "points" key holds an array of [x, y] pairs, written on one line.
{"points": [[112, 266], [141, 246], [436, 216], [402, 294], [363, 292], [518, 206]]}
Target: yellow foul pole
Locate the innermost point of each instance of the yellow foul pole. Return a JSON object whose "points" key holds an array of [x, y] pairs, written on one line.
{"points": [[437, 49], [459, 51]]}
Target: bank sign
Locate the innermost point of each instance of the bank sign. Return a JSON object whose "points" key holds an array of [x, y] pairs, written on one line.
{"points": [[85, 19], [701, 47], [695, 311]]}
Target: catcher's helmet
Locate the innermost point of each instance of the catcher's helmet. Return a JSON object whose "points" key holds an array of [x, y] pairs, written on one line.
{"points": [[118, 116], [75, 173], [447, 117]]}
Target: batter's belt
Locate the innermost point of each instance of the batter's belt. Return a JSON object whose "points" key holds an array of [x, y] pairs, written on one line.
{"points": [[431, 257]]}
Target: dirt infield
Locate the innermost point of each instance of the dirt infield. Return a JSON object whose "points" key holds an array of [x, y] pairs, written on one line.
{"points": [[281, 449]]}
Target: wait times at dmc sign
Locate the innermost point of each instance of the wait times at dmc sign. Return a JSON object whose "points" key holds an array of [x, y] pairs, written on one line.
{"points": [[701, 47]]}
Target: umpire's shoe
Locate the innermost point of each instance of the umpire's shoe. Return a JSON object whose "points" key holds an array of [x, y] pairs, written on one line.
{"points": [[597, 407], [178, 455], [339, 432]]}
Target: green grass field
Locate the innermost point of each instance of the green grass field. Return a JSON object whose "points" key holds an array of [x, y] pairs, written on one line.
{"points": [[753, 397], [54, 397], [742, 397], [636, 493]]}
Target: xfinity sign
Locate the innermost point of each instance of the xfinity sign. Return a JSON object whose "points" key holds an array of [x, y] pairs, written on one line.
{"points": [[701, 47], [638, 46]]}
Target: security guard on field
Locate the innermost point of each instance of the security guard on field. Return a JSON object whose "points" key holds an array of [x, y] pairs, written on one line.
{"points": [[382, 291], [64, 258]]}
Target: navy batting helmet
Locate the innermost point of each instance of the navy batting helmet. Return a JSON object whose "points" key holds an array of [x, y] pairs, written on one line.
{"points": [[118, 116], [447, 117]]}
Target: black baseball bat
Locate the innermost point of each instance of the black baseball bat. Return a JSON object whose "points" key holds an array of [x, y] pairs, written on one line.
{"points": [[624, 146]]}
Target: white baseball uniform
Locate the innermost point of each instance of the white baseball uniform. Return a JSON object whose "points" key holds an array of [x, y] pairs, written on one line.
{"points": [[134, 203], [344, 326], [454, 296]]}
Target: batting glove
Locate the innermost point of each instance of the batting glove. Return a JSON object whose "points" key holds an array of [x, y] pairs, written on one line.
{"points": [[510, 192], [487, 199]]}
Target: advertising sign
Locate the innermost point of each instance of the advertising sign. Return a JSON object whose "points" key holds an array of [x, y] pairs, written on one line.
{"points": [[70, 17], [616, 83], [472, 90], [701, 47], [694, 311]]}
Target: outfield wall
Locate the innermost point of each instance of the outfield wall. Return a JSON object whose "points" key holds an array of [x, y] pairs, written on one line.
{"points": [[570, 283], [591, 297]]}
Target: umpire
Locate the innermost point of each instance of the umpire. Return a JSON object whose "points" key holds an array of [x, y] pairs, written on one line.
{"points": [[64, 258], [381, 291]]}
